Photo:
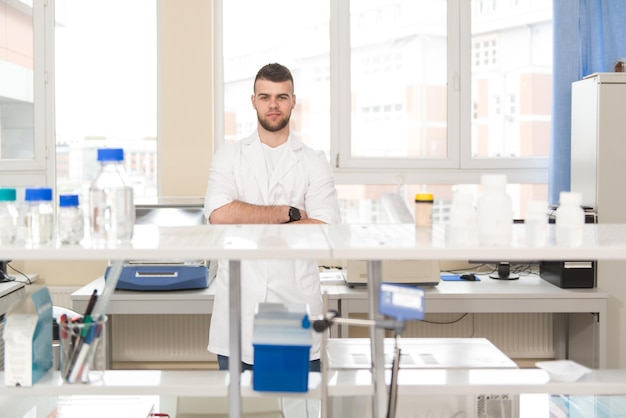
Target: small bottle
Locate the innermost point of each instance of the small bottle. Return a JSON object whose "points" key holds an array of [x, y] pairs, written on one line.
{"points": [[462, 225], [71, 223], [8, 216], [424, 209], [494, 212], [570, 219], [536, 223], [38, 217], [111, 206]]}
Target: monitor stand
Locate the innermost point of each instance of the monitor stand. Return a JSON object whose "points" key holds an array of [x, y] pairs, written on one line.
{"points": [[504, 272]]}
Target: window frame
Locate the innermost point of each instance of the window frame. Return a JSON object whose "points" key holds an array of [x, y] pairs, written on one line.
{"points": [[38, 171], [458, 167]]}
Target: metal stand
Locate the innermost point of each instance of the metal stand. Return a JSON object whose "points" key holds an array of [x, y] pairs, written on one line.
{"points": [[323, 325]]}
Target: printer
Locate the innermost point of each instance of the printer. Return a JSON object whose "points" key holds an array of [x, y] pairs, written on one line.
{"points": [[167, 274]]}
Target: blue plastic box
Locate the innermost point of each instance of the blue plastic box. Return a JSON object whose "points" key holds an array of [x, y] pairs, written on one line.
{"points": [[282, 343], [281, 368]]}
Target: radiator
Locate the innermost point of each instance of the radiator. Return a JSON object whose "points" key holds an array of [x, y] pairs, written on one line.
{"points": [[62, 295], [161, 338], [518, 335], [184, 338]]}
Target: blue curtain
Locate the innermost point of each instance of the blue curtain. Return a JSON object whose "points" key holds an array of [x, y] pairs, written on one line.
{"points": [[589, 36]]}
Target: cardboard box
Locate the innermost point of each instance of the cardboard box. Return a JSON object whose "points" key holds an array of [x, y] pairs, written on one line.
{"points": [[28, 339]]}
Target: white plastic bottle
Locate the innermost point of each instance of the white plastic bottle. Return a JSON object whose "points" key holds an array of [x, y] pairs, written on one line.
{"points": [[462, 228], [494, 212], [570, 219], [38, 217], [70, 220], [536, 223], [111, 206], [8, 216]]}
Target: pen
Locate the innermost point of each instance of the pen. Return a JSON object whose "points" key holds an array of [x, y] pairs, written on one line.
{"points": [[80, 340], [92, 302], [79, 364], [92, 352]]}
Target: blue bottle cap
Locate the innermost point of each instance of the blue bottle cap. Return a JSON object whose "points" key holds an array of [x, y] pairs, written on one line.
{"points": [[38, 193], [68, 200], [110, 154], [7, 195]]}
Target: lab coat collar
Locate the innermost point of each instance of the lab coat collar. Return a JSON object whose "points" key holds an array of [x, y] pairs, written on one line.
{"points": [[253, 152]]}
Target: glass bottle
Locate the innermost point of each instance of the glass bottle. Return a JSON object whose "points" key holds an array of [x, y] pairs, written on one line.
{"points": [[111, 206], [8, 216], [71, 223], [494, 211], [38, 217]]}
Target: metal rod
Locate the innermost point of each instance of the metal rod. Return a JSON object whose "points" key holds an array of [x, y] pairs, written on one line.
{"points": [[377, 335], [324, 359], [234, 318], [393, 386]]}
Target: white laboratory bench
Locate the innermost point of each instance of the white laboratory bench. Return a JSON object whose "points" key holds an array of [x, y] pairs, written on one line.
{"points": [[327, 242], [584, 310]]}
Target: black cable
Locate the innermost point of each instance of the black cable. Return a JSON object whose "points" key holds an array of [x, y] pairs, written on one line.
{"points": [[13, 279]]}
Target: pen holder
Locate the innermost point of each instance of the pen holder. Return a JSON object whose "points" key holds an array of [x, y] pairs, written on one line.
{"points": [[82, 358]]}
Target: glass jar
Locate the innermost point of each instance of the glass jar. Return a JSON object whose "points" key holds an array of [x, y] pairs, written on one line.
{"points": [[38, 217], [70, 222]]}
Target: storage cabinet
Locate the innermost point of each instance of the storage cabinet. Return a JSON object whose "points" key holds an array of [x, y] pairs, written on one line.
{"points": [[598, 172]]}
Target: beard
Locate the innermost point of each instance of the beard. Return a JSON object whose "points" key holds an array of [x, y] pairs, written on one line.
{"points": [[273, 126]]}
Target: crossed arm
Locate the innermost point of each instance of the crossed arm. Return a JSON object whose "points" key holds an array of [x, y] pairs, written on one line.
{"points": [[238, 212]]}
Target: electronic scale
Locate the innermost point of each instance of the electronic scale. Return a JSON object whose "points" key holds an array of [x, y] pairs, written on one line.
{"points": [[173, 275]]}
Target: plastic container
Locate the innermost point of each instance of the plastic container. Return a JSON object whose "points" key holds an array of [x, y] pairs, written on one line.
{"points": [[462, 228], [111, 206], [424, 209], [38, 217], [282, 343], [494, 212], [536, 223], [71, 222], [563, 370], [570, 219], [8, 216]]}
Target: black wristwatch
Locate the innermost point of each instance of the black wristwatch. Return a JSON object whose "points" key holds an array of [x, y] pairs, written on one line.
{"points": [[294, 214]]}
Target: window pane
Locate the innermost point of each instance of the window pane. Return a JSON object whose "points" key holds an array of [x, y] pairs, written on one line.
{"points": [[106, 91], [399, 77], [294, 33], [16, 81], [511, 78]]}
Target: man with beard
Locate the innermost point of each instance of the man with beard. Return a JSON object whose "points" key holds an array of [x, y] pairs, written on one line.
{"points": [[268, 178]]}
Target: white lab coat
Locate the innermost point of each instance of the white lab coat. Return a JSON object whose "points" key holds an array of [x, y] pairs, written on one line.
{"points": [[303, 179]]}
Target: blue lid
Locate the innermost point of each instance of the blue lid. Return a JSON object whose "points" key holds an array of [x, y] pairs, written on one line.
{"points": [[110, 154], [68, 200], [38, 193], [7, 195]]}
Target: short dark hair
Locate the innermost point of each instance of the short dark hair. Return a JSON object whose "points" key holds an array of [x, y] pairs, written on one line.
{"points": [[274, 72]]}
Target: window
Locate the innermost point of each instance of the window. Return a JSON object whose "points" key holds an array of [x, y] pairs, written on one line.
{"points": [[22, 123], [106, 90], [421, 94]]}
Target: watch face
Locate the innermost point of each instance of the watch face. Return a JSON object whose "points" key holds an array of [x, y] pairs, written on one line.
{"points": [[294, 214]]}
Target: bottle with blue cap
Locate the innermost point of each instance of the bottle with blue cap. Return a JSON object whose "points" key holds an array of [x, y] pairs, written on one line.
{"points": [[111, 206], [38, 216], [8, 216], [71, 223]]}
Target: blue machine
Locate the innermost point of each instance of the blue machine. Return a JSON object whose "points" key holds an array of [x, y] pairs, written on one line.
{"points": [[169, 276]]}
